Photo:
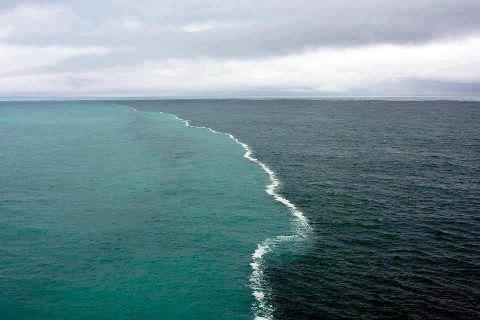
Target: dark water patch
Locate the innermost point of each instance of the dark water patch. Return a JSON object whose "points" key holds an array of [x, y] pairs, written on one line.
{"points": [[391, 189]]}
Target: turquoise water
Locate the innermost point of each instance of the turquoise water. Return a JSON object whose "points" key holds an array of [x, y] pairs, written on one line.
{"points": [[391, 189], [107, 213]]}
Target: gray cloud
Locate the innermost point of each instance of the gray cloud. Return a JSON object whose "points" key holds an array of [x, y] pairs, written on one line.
{"points": [[296, 47], [248, 28]]}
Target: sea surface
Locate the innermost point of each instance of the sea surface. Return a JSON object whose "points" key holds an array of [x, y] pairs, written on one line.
{"points": [[240, 209]]}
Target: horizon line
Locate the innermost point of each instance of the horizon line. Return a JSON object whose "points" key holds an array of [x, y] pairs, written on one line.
{"points": [[219, 97]]}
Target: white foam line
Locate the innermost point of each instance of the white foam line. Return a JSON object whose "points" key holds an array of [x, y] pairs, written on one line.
{"points": [[262, 310]]}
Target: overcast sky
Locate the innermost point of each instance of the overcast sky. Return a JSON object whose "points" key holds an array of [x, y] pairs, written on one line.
{"points": [[223, 47]]}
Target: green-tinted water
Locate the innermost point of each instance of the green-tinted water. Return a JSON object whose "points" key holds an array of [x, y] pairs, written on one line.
{"points": [[107, 213], [391, 190]]}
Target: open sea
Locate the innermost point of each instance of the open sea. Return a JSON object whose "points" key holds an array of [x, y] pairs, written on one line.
{"points": [[240, 209]]}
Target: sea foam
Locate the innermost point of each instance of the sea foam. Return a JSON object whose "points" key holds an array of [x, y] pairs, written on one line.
{"points": [[263, 310]]}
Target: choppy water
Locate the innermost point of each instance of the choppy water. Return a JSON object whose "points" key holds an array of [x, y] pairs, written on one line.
{"points": [[391, 190], [111, 213]]}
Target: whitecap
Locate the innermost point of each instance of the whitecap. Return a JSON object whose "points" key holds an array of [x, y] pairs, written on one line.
{"points": [[262, 309]]}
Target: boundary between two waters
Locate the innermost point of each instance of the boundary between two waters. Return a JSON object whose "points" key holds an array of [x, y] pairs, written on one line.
{"points": [[263, 310]]}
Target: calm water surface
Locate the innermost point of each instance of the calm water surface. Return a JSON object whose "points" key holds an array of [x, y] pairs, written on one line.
{"points": [[107, 213]]}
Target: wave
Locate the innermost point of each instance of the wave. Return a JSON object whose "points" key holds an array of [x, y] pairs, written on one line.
{"points": [[263, 310]]}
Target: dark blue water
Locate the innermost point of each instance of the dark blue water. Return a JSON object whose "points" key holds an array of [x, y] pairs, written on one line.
{"points": [[391, 190]]}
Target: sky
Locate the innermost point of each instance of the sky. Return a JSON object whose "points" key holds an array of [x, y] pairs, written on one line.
{"points": [[239, 48]]}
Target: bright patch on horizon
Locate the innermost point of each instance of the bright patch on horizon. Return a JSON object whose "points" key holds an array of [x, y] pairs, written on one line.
{"points": [[204, 26], [308, 48]]}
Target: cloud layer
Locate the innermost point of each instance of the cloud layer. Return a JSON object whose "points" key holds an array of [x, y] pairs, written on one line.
{"points": [[307, 47]]}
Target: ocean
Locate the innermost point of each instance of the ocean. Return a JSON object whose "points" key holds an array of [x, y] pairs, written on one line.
{"points": [[240, 209]]}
